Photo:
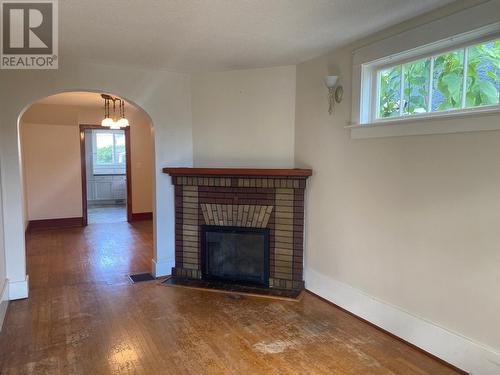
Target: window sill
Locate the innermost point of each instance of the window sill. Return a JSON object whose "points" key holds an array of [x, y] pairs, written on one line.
{"points": [[482, 120]]}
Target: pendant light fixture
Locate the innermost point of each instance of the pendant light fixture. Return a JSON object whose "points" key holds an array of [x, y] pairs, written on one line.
{"points": [[114, 121]]}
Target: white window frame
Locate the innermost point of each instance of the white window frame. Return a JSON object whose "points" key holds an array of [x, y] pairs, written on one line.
{"points": [[467, 27], [372, 72]]}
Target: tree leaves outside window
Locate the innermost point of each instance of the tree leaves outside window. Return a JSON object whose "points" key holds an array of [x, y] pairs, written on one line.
{"points": [[110, 147], [446, 90]]}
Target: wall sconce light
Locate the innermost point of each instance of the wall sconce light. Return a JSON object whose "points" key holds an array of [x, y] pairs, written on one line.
{"points": [[335, 93]]}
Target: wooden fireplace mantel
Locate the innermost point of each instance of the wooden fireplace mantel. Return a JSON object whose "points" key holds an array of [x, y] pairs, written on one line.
{"points": [[240, 172]]}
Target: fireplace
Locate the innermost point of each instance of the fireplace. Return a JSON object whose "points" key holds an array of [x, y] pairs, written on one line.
{"points": [[235, 254], [240, 225]]}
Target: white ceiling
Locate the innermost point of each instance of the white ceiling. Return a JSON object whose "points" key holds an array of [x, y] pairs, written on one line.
{"points": [[79, 98], [87, 99], [208, 35]]}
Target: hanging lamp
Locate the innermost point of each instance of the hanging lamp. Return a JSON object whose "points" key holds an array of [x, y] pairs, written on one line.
{"points": [[114, 120]]}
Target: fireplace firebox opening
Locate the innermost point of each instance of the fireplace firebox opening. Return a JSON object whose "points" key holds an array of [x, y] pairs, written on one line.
{"points": [[235, 254]]}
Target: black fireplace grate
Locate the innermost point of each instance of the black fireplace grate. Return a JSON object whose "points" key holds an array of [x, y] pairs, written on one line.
{"points": [[235, 254]]}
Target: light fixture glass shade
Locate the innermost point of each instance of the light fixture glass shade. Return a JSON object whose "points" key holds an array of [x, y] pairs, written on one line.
{"points": [[115, 126], [107, 122], [122, 123], [331, 81]]}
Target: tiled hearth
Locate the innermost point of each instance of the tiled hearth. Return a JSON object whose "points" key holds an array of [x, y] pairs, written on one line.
{"points": [[245, 198]]}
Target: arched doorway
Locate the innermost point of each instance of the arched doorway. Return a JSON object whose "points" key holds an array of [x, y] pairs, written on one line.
{"points": [[115, 166], [49, 133], [73, 176], [164, 96]]}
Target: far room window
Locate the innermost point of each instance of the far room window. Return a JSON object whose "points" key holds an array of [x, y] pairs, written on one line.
{"points": [[453, 81], [109, 150]]}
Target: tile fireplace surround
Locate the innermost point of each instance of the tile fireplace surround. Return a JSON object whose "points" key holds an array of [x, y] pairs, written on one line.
{"points": [[249, 198]]}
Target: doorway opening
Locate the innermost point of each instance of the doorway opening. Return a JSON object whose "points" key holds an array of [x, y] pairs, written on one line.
{"points": [[77, 172], [106, 179]]}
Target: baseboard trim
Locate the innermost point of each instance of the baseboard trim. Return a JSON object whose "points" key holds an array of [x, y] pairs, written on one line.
{"points": [[141, 216], [162, 268], [61, 223], [451, 348], [4, 302], [18, 289]]}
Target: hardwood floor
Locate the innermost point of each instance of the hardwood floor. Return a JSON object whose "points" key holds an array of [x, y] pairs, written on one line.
{"points": [[106, 214], [84, 317]]}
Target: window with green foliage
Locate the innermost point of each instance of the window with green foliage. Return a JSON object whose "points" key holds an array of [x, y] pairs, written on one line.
{"points": [[109, 148], [462, 79]]}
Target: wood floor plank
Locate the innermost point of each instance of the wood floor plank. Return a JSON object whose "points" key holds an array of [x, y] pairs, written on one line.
{"points": [[85, 317]]}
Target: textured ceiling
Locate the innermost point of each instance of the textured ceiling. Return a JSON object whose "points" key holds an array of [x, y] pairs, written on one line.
{"points": [[208, 35], [77, 98]]}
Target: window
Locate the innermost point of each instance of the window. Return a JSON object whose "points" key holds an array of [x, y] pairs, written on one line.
{"points": [[459, 80], [108, 151], [436, 78]]}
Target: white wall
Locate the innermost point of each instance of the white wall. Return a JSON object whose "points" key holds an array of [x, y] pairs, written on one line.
{"points": [[142, 159], [50, 144], [403, 224], [244, 118], [163, 95], [3, 277], [52, 170]]}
